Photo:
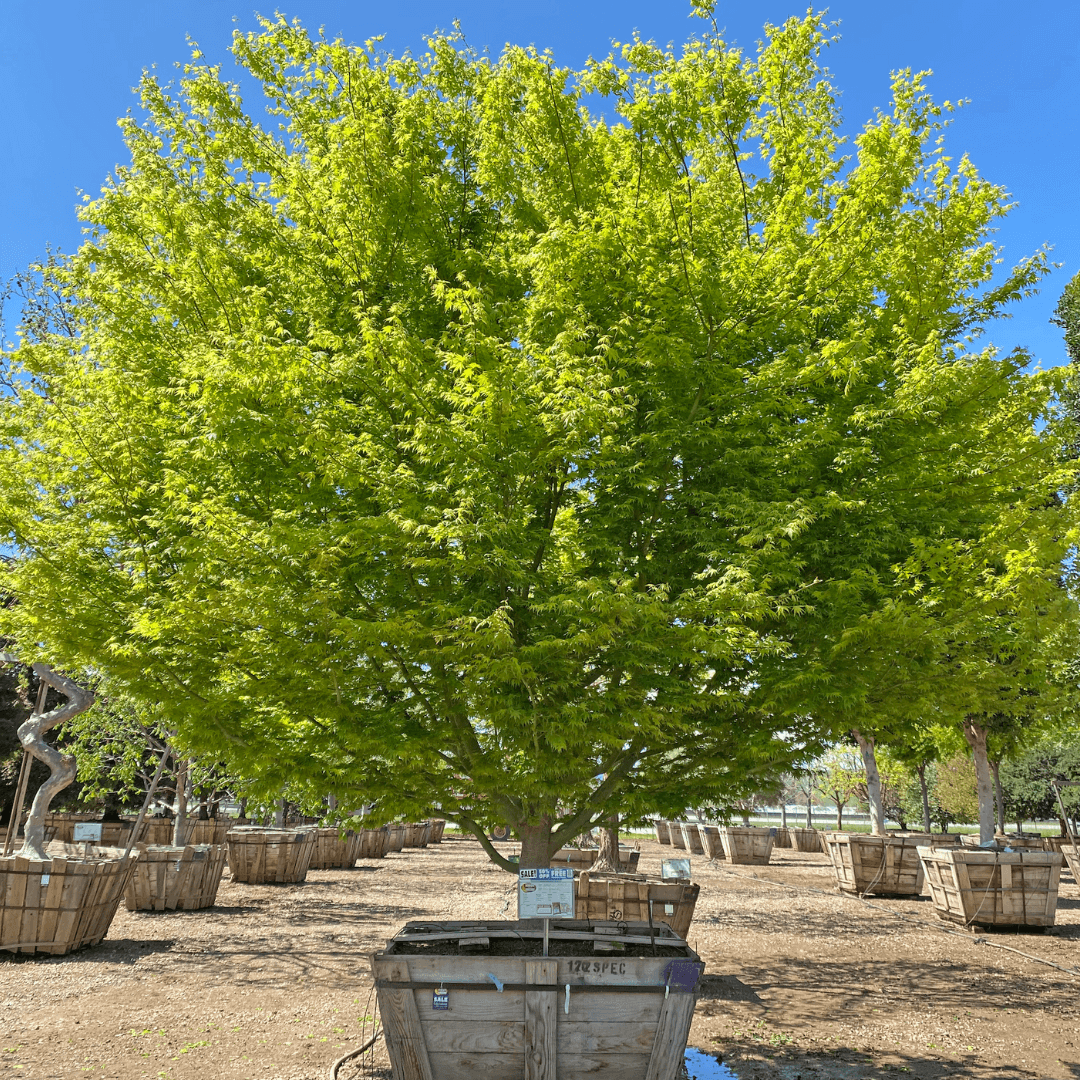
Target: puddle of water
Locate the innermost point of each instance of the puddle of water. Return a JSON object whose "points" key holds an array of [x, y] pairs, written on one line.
{"points": [[702, 1066]]}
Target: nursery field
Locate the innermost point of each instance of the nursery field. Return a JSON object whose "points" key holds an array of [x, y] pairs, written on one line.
{"points": [[274, 982]]}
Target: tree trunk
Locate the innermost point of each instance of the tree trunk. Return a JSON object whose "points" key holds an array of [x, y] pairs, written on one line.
{"points": [[999, 799], [873, 783], [179, 836], [809, 813], [783, 812], [839, 816], [61, 767], [536, 849], [921, 770], [279, 815], [607, 860], [984, 786], [112, 808]]}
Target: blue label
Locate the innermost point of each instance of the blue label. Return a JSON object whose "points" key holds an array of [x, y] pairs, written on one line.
{"points": [[549, 873], [440, 999]]}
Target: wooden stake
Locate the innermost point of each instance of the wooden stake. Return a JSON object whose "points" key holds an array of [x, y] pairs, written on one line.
{"points": [[24, 780], [16, 805], [1057, 785]]}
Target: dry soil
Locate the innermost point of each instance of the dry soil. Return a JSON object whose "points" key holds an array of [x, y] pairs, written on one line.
{"points": [[274, 982]]}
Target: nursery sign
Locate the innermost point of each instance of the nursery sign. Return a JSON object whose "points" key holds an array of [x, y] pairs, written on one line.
{"points": [[546, 893], [87, 832]]}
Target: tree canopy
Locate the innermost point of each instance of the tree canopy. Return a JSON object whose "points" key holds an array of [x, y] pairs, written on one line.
{"points": [[455, 444]]}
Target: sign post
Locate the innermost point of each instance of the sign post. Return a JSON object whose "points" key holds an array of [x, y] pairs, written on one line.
{"points": [[546, 893]]}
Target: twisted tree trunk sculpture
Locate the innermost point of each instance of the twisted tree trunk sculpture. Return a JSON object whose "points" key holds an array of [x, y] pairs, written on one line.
{"points": [[61, 766]]}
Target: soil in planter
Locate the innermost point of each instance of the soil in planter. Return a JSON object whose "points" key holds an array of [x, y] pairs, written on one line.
{"points": [[531, 947]]}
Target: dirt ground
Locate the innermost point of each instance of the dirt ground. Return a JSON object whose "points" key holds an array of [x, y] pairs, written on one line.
{"points": [[273, 983]]}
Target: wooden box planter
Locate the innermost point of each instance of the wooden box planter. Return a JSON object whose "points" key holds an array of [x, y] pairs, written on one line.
{"points": [[711, 841], [156, 831], [113, 833], [982, 887], [395, 836], [259, 855], [374, 843], [876, 865], [692, 838], [417, 834], [334, 851], [1056, 843], [936, 839], [676, 834], [626, 897], [61, 825], [583, 858], [438, 825], [210, 831], [782, 838], [62, 903], [663, 832], [747, 846], [1017, 841], [806, 840], [175, 878], [472, 999]]}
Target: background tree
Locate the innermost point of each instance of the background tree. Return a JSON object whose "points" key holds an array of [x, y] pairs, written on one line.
{"points": [[954, 791], [909, 765], [839, 778], [118, 746], [1026, 780], [453, 448]]}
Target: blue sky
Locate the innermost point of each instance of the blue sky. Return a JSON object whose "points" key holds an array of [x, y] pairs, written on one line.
{"points": [[67, 69]]}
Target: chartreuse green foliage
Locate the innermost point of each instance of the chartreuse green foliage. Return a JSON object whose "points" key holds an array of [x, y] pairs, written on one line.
{"points": [[452, 445]]}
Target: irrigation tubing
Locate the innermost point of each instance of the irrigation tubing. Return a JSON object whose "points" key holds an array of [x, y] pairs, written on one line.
{"points": [[975, 940], [353, 1054]]}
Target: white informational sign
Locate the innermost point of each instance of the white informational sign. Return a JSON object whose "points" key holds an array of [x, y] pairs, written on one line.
{"points": [[546, 893], [675, 869], [88, 832]]}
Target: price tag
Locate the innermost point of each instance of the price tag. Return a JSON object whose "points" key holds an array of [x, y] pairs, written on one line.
{"points": [[87, 832], [44, 879], [440, 999], [546, 893]]}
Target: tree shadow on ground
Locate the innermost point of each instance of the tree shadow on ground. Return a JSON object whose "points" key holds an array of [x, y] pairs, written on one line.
{"points": [[825, 988], [112, 950]]}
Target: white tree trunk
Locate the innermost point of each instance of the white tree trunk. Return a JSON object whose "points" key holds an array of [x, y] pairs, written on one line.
{"points": [[984, 786], [873, 783], [279, 815]]}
